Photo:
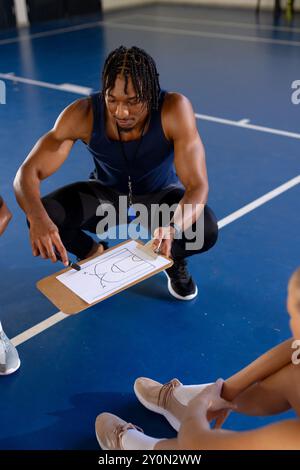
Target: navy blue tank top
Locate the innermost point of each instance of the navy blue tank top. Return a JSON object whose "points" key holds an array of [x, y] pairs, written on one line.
{"points": [[153, 169]]}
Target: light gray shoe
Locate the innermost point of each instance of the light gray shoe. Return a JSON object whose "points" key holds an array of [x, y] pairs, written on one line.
{"points": [[9, 357]]}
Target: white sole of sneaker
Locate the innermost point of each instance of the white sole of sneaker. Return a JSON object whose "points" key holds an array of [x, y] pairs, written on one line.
{"points": [[177, 296], [172, 420], [11, 371]]}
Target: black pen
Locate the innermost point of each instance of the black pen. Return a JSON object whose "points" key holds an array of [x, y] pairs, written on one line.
{"points": [[70, 264]]}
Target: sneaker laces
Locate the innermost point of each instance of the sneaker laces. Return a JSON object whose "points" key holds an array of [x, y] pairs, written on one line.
{"points": [[166, 392], [121, 429]]}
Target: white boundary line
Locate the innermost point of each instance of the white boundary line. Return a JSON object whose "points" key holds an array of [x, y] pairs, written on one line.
{"points": [[68, 29], [256, 26], [54, 32], [39, 328], [204, 34], [259, 202], [176, 31], [244, 123], [59, 316], [85, 91], [68, 87]]}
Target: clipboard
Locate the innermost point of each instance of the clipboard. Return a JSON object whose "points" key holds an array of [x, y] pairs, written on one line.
{"points": [[70, 303]]}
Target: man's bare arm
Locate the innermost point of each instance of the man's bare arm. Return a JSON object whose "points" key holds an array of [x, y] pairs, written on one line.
{"points": [[189, 159], [46, 158]]}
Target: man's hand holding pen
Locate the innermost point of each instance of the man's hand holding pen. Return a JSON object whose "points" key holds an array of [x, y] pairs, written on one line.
{"points": [[45, 240], [162, 240]]}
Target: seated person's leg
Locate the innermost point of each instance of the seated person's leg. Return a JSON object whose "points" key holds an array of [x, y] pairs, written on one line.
{"points": [[251, 387], [270, 396]]}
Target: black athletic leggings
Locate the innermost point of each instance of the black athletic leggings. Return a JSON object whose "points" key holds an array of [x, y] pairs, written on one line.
{"points": [[73, 210]]}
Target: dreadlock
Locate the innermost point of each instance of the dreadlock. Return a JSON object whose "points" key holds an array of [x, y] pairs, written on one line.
{"points": [[140, 67]]}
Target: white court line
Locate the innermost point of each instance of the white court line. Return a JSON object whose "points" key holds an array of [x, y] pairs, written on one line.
{"points": [[59, 316], [176, 31], [54, 32], [39, 328], [258, 202], [204, 34], [68, 29], [257, 26], [85, 91], [69, 87], [244, 123]]}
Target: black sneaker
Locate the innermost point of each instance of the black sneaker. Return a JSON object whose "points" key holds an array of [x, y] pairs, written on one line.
{"points": [[180, 283]]}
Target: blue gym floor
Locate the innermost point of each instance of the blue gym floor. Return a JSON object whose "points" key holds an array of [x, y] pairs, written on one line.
{"points": [[86, 364]]}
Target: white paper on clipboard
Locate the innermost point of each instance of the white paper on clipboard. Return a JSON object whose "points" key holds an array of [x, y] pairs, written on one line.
{"points": [[108, 273]]}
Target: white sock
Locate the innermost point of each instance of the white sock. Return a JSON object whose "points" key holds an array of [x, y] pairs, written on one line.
{"points": [[185, 393], [136, 440]]}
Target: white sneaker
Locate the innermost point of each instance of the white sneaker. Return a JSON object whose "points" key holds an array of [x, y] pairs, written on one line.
{"points": [[9, 357]]}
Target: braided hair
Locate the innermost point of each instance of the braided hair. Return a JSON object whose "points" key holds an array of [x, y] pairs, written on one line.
{"points": [[136, 64]]}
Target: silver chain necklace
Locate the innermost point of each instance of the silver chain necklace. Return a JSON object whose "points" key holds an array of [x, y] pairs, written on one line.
{"points": [[130, 191]]}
